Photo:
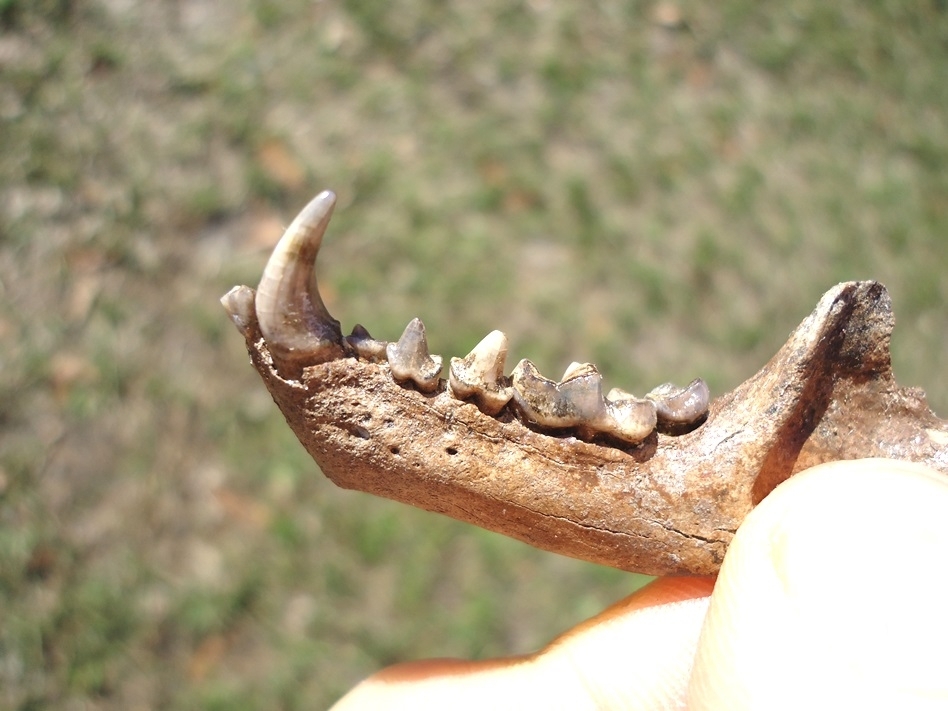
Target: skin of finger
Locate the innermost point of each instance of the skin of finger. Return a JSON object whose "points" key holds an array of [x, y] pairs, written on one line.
{"points": [[636, 654], [832, 595]]}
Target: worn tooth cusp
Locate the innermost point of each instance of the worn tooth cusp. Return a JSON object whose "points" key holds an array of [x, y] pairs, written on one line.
{"points": [[577, 401], [480, 374], [571, 403], [298, 329], [410, 361], [238, 302], [633, 419], [361, 341], [681, 406]]}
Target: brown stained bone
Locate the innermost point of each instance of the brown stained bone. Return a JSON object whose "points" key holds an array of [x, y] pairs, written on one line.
{"points": [[669, 505]]}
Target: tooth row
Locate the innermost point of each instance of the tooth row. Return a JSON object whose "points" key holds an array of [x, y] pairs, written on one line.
{"points": [[299, 331], [576, 401]]}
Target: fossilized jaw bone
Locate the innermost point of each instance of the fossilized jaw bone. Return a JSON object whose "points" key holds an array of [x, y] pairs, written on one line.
{"points": [[300, 332], [667, 505]]}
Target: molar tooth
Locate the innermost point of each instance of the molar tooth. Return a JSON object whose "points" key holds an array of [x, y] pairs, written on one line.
{"points": [[681, 406], [238, 302], [632, 419], [480, 374], [409, 358], [577, 401], [293, 319], [364, 345], [547, 403]]}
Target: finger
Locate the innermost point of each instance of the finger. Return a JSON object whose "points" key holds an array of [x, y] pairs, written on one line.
{"points": [[636, 654], [832, 595]]}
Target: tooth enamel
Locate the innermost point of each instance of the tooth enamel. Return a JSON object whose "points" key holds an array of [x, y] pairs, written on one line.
{"points": [[577, 401], [364, 345], [575, 369], [681, 406], [632, 419], [617, 394], [480, 374], [293, 319], [571, 403], [238, 302], [409, 358]]}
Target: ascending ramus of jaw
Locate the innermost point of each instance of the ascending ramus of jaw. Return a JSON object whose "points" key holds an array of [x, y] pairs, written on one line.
{"points": [[299, 331]]}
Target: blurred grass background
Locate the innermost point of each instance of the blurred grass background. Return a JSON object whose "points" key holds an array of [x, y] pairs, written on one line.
{"points": [[665, 189]]}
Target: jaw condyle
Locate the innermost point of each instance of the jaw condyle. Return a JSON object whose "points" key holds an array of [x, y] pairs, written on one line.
{"points": [[657, 484]]}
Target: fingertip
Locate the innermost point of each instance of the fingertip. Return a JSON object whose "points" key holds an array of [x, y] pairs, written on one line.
{"points": [[832, 589]]}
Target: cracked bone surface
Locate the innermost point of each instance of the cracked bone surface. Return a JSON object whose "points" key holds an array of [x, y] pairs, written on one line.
{"points": [[666, 505]]}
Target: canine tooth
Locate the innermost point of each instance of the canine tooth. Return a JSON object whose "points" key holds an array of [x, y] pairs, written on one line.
{"points": [[410, 360], [238, 302], [293, 319], [364, 345], [480, 374], [681, 406]]}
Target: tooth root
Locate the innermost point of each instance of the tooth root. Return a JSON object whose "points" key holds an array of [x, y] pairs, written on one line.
{"points": [[365, 346], [681, 406], [480, 374], [409, 358], [293, 319], [238, 302]]}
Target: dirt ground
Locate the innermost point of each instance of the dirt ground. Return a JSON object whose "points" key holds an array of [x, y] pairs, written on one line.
{"points": [[664, 189]]}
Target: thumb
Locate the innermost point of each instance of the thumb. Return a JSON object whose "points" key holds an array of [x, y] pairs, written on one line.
{"points": [[832, 595]]}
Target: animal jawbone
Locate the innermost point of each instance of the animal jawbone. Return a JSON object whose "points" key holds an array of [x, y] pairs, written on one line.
{"points": [[656, 484]]}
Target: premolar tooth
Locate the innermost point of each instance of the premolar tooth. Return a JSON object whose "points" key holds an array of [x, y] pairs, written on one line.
{"points": [[364, 345], [238, 302], [681, 406], [293, 319], [410, 360], [480, 374]]}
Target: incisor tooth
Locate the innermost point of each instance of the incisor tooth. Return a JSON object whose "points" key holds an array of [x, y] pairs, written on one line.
{"points": [[293, 319], [238, 302], [410, 360], [480, 374], [681, 406]]}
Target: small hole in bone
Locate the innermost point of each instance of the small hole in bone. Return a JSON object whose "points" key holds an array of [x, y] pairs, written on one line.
{"points": [[394, 450], [359, 432], [451, 450]]}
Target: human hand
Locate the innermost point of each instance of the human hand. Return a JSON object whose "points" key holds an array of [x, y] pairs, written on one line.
{"points": [[832, 595]]}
